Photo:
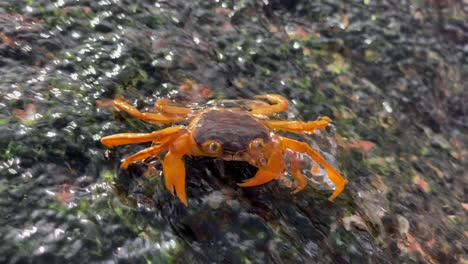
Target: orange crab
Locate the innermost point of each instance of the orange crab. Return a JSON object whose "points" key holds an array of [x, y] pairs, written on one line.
{"points": [[232, 133]]}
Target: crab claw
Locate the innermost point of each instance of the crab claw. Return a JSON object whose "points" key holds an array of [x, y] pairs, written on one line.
{"points": [[174, 175], [275, 166]]}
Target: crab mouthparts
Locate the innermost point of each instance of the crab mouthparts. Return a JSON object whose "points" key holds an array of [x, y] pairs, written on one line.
{"points": [[233, 157], [258, 161]]}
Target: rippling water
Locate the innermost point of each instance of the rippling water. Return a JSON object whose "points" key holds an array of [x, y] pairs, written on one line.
{"points": [[391, 74]]}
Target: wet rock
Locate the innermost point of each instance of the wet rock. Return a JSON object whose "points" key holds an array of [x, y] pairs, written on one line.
{"points": [[380, 71]]}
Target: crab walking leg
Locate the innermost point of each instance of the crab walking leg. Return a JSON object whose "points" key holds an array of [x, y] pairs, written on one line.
{"points": [[297, 126], [268, 173], [162, 106], [143, 154], [280, 104], [160, 136], [251, 104], [335, 177], [296, 170], [174, 167], [121, 104]]}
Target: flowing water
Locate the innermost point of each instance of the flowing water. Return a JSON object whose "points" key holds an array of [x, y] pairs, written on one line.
{"points": [[392, 75]]}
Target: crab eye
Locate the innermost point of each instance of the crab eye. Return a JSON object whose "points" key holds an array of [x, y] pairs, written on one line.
{"points": [[257, 144], [212, 147]]}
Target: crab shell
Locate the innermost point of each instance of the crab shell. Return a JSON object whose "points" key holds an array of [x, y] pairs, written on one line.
{"points": [[228, 134], [231, 135]]}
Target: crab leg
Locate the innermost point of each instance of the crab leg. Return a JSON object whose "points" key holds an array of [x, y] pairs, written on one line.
{"points": [[268, 173], [162, 106], [158, 118], [280, 104], [251, 104], [335, 177], [174, 166], [143, 154], [297, 127], [296, 170], [160, 136]]}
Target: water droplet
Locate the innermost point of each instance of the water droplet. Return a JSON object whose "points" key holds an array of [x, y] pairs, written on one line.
{"points": [[296, 45], [387, 107], [169, 56], [51, 134]]}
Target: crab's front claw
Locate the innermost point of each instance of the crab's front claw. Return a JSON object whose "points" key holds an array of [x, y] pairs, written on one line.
{"points": [[174, 175], [273, 168], [174, 167]]}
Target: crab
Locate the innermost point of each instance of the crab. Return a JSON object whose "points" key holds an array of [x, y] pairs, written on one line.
{"points": [[228, 133]]}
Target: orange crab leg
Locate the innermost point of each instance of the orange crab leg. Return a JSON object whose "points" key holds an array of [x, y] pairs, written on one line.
{"points": [[297, 126], [335, 177], [162, 106], [296, 170], [158, 118], [251, 104], [174, 166], [268, 173], [280, 104], [143, 154], [160, 136]]}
